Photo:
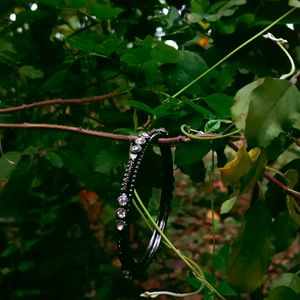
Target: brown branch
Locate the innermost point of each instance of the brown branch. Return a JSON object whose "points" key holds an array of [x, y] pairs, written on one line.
{"points": [[115, 136], [58, 101]]}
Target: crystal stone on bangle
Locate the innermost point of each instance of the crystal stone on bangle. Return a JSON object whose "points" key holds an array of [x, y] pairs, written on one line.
{"points": [[136, 149], [144, 135], [121, 213], [140, 141], [123, 199], [120, 225]]}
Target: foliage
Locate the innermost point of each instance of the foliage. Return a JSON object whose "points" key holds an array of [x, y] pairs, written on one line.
{"points": [[57, 237]]}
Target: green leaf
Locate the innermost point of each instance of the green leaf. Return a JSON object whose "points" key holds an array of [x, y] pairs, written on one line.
{"points": [[8, 162], [107, 160], [240, 107], [274, 106], [225, 289], [83, 44], [188, 66], [55, 159], [293, 210], [138, 105], [53, 3], [197, 107], [25, 266], [220, 103], [187, 154], [103, 12], [165, 53], [290, 280], [252, 251], [282, 293], [227, 205], [212, 126], [134, 57], [31, 72]]}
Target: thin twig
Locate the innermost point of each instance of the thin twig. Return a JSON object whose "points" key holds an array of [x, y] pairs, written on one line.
{"points": [[58, 101], [115, 136]]}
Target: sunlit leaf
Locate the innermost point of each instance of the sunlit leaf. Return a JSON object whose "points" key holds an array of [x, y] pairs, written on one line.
{"points": [[227, 205], [237, 168], [295, 3], [31, 72]]}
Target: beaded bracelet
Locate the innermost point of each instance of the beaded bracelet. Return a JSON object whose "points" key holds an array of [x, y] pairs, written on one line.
{"points": [[130, 264]]}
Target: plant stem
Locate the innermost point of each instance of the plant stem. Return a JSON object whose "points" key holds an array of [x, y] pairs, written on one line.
{"points": [[196, 271], [234, 51]]}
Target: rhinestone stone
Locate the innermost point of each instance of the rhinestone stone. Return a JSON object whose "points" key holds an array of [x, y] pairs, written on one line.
{"points": [[121, 213], [123, 199], [136, 149], [133, 156], [120, 225], [140, 141], [144, 135]]}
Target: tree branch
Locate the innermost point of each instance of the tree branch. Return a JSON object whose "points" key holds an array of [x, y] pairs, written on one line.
{"points": [[58, 101], [115, 136]]}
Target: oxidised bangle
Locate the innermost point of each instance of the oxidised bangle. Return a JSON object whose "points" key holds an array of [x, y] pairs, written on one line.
{"points": [[130, 264]]}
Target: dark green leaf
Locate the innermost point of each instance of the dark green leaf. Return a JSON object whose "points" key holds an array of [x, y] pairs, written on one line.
{"points": [[8, 162], [220, 103], [251, 253], [165, 54], [183, 152], [103, 12], [55, 159], [25, 266], [282, 293], [138, 105], [83, 44]]}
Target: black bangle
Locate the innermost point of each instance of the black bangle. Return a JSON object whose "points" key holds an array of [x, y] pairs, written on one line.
{"points": [[130, 264]]}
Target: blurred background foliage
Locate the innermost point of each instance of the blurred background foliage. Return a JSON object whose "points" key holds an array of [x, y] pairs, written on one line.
{"points": [[59, 189]]}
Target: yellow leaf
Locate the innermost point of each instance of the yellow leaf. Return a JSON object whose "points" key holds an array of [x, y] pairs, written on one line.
{"points": [[254, 153], [232, 172]]}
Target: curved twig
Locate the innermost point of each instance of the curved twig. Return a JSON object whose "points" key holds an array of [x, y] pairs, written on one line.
{"points": [[58, 101]]}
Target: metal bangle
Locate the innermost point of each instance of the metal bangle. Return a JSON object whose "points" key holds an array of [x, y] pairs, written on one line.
{"points": [[130, 264]]}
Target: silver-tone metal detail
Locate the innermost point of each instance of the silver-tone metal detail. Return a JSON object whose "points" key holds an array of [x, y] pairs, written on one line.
{"points": [[136, 149], [140, 141], [123, 199], [133, 156], [120, 225], [144, 135], [121, 213]]}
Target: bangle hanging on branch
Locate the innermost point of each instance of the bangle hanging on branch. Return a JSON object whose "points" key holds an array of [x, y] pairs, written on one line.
{"points": [[131, 265]]}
